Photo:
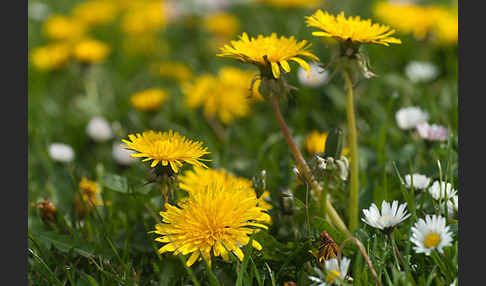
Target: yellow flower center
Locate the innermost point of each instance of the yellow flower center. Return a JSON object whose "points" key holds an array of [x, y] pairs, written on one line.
{"points": [[332, 275], [432, 240]]}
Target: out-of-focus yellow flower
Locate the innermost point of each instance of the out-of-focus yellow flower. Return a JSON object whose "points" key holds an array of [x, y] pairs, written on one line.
{"points": [[447, 28], [226, 95], [173, 70], [96, 12], [316, 143], [293, 3], [59, 27], [351, 29], [222, 24], [168, 149], [50, 57], [144, 17], [439, 22], [89, 191], [277, 51], [47, 210], [90, 51], [216, 220], [148, 100]]}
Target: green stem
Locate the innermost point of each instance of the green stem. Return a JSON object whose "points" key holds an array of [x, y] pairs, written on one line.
{"points": [[304, 168], [353, 144]]}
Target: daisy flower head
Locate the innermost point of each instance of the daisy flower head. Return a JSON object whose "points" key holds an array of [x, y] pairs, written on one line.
{"points": [[149, 99], [316, 77], [61, 152], [441, 190], [431, 233], [421, 71], [270, 54], [167, 148], [390, 216], [432, 132], [410, 117], [350, 30], [122, 155], [334, 271], [215, 220], [99, 129], [420, 181]]}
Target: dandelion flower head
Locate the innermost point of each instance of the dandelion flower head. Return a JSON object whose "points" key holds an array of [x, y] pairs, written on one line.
{"points": [[149, 99], [91, 51], [167, 148], [50, 57], [351, 29], [215, 220], [58, 27], [277, 51], [200, 178]]}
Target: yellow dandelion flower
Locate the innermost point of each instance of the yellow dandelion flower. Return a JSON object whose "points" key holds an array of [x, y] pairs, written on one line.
{"points": [[144, 17], [173, 70], [200, 178], [351, 29], [222, 24], [168, 148], [148, 100], [90, 51], [277, 51], [408, 18], [50, 57], [226, 95], [293, 3], [315, 142], [215, 220], [447, 28], [89, 191], [95, 12], [59, 27]]}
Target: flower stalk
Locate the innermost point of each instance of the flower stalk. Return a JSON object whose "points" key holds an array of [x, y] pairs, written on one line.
{"points": [[353, 144], [304, 168]]}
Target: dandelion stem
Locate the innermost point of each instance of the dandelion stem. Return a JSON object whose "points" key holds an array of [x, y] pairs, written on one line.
{"points": [[353, 143], [217, 128], [304, 168]]}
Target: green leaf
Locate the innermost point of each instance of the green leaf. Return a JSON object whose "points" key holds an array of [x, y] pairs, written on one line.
{"points": [[115, 183], [63, 243]]}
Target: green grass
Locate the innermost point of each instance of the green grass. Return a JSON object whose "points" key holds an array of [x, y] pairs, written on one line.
{"points": [[112, 244]]}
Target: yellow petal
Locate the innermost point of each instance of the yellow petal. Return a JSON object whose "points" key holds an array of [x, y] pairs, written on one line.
{"points": [[275, 70], [285, 66]]}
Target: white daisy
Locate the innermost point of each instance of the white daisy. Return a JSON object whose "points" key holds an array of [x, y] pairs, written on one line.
{"points": [[431, 233], [317, 76], [122, 155], [410, 117], [61, 152], [421, 71], [432, 132], [99, 129], [441, 190], [390, 216], [420, 181], [334, 270]]}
